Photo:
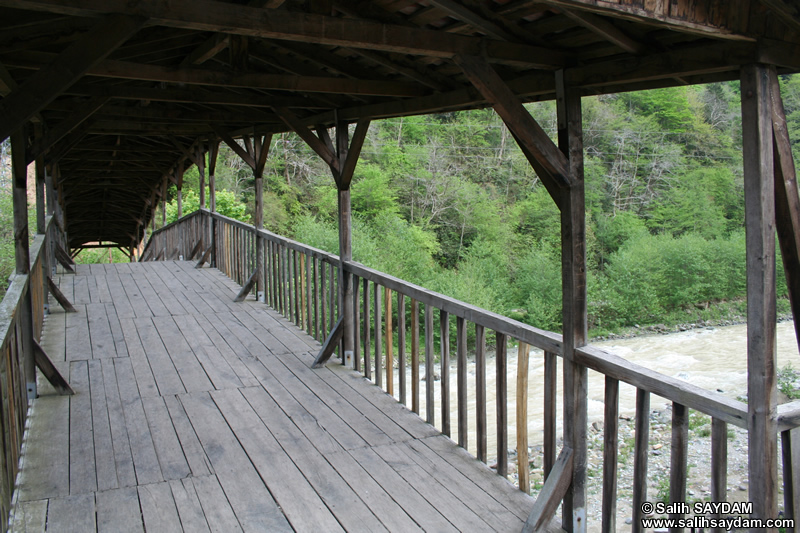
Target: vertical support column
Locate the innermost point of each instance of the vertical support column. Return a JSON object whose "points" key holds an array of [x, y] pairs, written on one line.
{"points": [[759, 190], [259, 212], [19, 141], [179, 185], [50, 203], [41, 212], [213, 151], [573, 275], [200, 161], [345, 250]]}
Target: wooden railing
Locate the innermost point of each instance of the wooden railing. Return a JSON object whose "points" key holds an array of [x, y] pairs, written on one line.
{"points": [[401, 328], [22, 314]]}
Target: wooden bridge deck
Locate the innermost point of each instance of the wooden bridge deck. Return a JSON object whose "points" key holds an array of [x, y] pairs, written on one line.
{"points": [[195, 413]]}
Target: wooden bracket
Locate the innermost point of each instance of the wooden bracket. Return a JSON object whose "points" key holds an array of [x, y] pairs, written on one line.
{"points": [[204, 258], [551, 494], [59, 296], [247, 287], [64, 259], [197, 248], [49, 371], [787, 200], [330, 344]]}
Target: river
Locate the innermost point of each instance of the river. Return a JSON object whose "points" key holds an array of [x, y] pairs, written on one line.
{"points": [[712, 358]]}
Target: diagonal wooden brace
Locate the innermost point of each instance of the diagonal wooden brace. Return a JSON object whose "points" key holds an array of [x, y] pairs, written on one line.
{"points": [[49, 371], [64, 259], [551, 494], [197, 248], [59, 296], [204, 258], [247, 287], [330, 344]]}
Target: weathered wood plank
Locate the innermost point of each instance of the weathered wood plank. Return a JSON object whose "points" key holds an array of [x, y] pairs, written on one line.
{"points": [[190, 444], [188, 367], [165, 439], [46, 470], [303, 507], [29, 517], [159, 511], [145, 460], [72, 514], [78, 345], [417, 506], [190, 511], [138, 358], [227, 351], [82, 474], [216, 507], [123, 458], [118, 511], [102, 342], [251, 501], [101, 428], [164, 372], [116, 331], [210, 358]]}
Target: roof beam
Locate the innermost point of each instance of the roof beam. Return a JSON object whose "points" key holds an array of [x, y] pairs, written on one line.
{"points": [[249, 80], [66, 126], [606, 30], [50, 81], [549, 162], [209, 15], [461, 12], [789, 13]]}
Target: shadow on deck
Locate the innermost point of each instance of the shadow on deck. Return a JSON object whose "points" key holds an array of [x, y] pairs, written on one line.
{"points": [[195, 413]]}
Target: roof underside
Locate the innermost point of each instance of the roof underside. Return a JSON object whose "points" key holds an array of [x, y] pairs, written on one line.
{"points": [[196, 68]]}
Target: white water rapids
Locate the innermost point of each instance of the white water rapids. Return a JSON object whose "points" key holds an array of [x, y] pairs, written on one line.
{"points": [[711, 358]]}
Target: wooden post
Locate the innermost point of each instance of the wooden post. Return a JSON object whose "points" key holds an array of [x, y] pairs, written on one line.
{"points": [[179, 184], [759, 189], [41, 212], [200, 161], [19, 141], [346, 250], [213, 151], [259, 212], [573, 276]]}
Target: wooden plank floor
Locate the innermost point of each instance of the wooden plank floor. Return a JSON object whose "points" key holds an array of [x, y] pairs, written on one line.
{"points": [[193, 413]]}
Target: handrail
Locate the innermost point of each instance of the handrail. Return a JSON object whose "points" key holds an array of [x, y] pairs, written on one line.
{"points": [[301, 282], [19, 324]]}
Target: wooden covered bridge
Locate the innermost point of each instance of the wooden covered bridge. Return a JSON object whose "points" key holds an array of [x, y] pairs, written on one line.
{"points": [[185, 398]]}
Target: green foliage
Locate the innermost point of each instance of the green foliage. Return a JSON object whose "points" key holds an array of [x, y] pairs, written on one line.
{"points": [[91, 256], [789, 382], [6, 238], [227, 205]]}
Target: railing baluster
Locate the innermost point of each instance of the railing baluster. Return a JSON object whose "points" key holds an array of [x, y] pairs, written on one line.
{"points": [[317, 277], [550, 388], [790, 448], [324, 303], [367, 326], [678, 458], [309, 295], [501, 380], [444, 345], [401, 345], [297, 298], [301, 297], [387, 294], [429, 396], [461, 383], [523, 468], [719, 462], [480, 391], [332, 270], [640, 456], [356, 324], [610, 449], [378, 337], [415, 356]]}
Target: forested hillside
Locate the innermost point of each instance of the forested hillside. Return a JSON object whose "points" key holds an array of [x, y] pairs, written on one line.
{"points": [[449, 202]]}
